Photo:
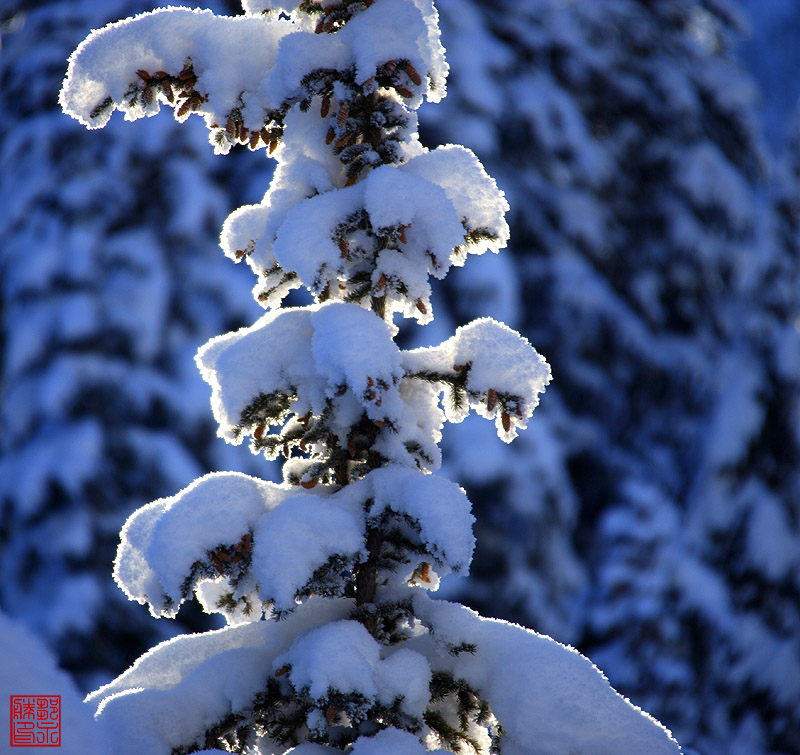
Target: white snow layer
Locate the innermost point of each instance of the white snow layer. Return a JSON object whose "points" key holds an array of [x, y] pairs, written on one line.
{"points": [[180, 687], [298, 537], [162, 540], [28, 668], [497, 360], [549, 699], [306, 353], [280, 52]]}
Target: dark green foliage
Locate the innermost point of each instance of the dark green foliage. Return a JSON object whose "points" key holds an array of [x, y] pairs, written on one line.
{"points": [[451, 696]]}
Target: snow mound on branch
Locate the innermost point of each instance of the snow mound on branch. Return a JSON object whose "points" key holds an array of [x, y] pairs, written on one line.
{"points": [[105, 63], [440, 507], [297, 538], [344, 657], [473, 192], [438, 208], [504, 373], [548, 698], [181, 687], [306, 353], [162, 540], [339, 656], [281, 52]]}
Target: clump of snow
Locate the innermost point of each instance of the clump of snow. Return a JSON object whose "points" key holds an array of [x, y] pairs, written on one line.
{"points": [[474, 193], [182, 686], [339, 656], [161, 541], [309, 748], [505, 374], [376, 356], [295, 539], [405, 674], [344, 657], [305, 354], [304, 243], [440, 508], [105, 65]]}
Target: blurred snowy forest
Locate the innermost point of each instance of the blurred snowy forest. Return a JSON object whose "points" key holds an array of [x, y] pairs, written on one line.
{"points": [[650, 151]]}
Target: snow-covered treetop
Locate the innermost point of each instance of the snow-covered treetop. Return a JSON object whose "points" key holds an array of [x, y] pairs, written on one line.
{"points": [[376, 243], [244, 73], [361, 215]]}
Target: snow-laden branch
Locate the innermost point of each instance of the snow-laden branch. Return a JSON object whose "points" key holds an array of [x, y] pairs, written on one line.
{"points": [[300, 363], [486, 366], [246, 546], [549, 698], [379, 239], [243, 73]]}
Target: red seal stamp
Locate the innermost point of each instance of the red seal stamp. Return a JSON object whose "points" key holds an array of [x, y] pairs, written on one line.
{"points": [[36, 720]]}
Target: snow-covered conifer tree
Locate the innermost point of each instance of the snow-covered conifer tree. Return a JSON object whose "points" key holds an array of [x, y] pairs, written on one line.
{"points": [[333, 642], [99, 409]]}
